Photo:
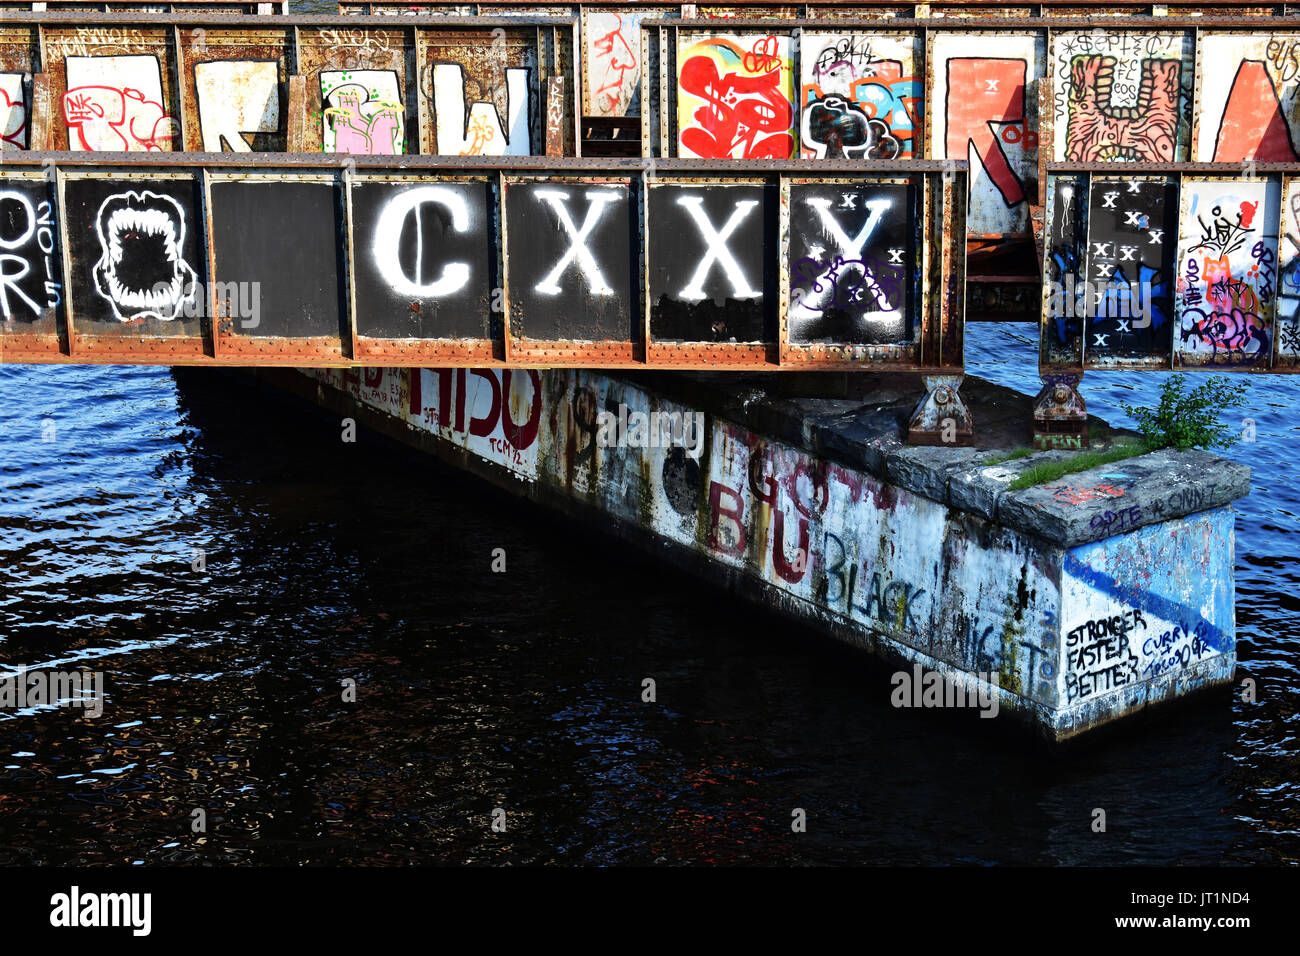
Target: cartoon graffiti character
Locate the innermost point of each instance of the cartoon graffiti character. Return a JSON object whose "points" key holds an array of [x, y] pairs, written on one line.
{"points": [[363, 126], [142, 271], [1097, 130]]}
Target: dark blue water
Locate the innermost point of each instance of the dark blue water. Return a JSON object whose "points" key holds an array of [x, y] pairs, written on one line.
{"points": [[327, 561]]}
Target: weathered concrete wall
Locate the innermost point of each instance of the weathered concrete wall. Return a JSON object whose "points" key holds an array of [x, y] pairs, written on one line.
{"points": [[1086, 599]]}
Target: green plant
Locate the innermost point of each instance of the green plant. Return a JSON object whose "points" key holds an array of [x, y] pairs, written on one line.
{"points": [[1190, 419], [1081, 461]]}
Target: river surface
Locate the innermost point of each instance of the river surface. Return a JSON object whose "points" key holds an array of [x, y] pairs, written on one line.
{"points": [[521, 691]]}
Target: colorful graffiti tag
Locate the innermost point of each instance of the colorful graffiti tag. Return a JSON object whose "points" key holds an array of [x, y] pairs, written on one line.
{"points": [[735, 98], [1227, 280], [860, 96], [363, 112]]}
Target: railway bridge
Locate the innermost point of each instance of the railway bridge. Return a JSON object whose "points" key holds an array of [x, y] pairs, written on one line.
{"points": [[481, 226]]}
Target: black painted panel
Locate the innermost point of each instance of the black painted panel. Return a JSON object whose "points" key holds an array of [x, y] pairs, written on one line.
{"points": [[284, 239], [137, 256], [562, 287], [31, 282], [712, 271], [1132, 238], [854, 264], [424, 260]]}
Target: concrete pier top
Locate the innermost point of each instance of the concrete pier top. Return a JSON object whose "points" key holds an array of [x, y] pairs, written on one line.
{"points": [[859, 420]]}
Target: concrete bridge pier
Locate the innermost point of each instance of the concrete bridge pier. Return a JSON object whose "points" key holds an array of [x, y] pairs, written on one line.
{"points": [[1076, 603]]}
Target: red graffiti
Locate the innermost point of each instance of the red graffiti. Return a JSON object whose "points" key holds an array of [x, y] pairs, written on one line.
{"points": [[1248, 213], [744, 117], [983, 94], [14, 137], [518, 434], [1253, 125], [106, 118], [1074, 495], [763, 57], [614, 58]]}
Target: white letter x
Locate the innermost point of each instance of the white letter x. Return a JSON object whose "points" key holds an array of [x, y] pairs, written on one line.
{"points": [[578, 250], [718, 251]]}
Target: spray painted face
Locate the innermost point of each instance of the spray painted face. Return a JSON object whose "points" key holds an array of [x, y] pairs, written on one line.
{"points": [[141, 270]]}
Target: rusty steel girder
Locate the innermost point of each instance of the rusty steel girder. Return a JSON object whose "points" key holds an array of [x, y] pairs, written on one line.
{"points": [[264, 259]]}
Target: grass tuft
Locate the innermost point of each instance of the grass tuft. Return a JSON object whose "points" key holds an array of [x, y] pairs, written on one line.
{"points": [[1082, 461]]}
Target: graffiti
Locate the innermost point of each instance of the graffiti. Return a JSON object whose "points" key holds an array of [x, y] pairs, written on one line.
{"points": [[28, 274], [708, 284], [735, 101], [1289, 337], [578, 253], [478, 131], [237, 99], [1122, 96], [569, 267], [491, 411], [363, 112], [716, 250], [13, 112], [408, 207], [890, 604], [1099, 655], [859, 97], [1082, 494], [364, 40], [1288, 299], [972, 641], [1114, 522], [90, 41], [849, 287], [612, 63], [998, 97], [979, 114], [1175, 649], [1097, 130], [1252, 124], [1227, 280], [114, 103], [142, 270], [836, 129], [1130, 249], [1223, 236]]}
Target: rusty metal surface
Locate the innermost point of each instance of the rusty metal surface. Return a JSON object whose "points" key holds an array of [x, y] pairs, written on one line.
{"points": [[224, 55]]}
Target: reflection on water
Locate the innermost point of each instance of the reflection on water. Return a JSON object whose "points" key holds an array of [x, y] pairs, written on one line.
{"points": [[324, 561]]}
